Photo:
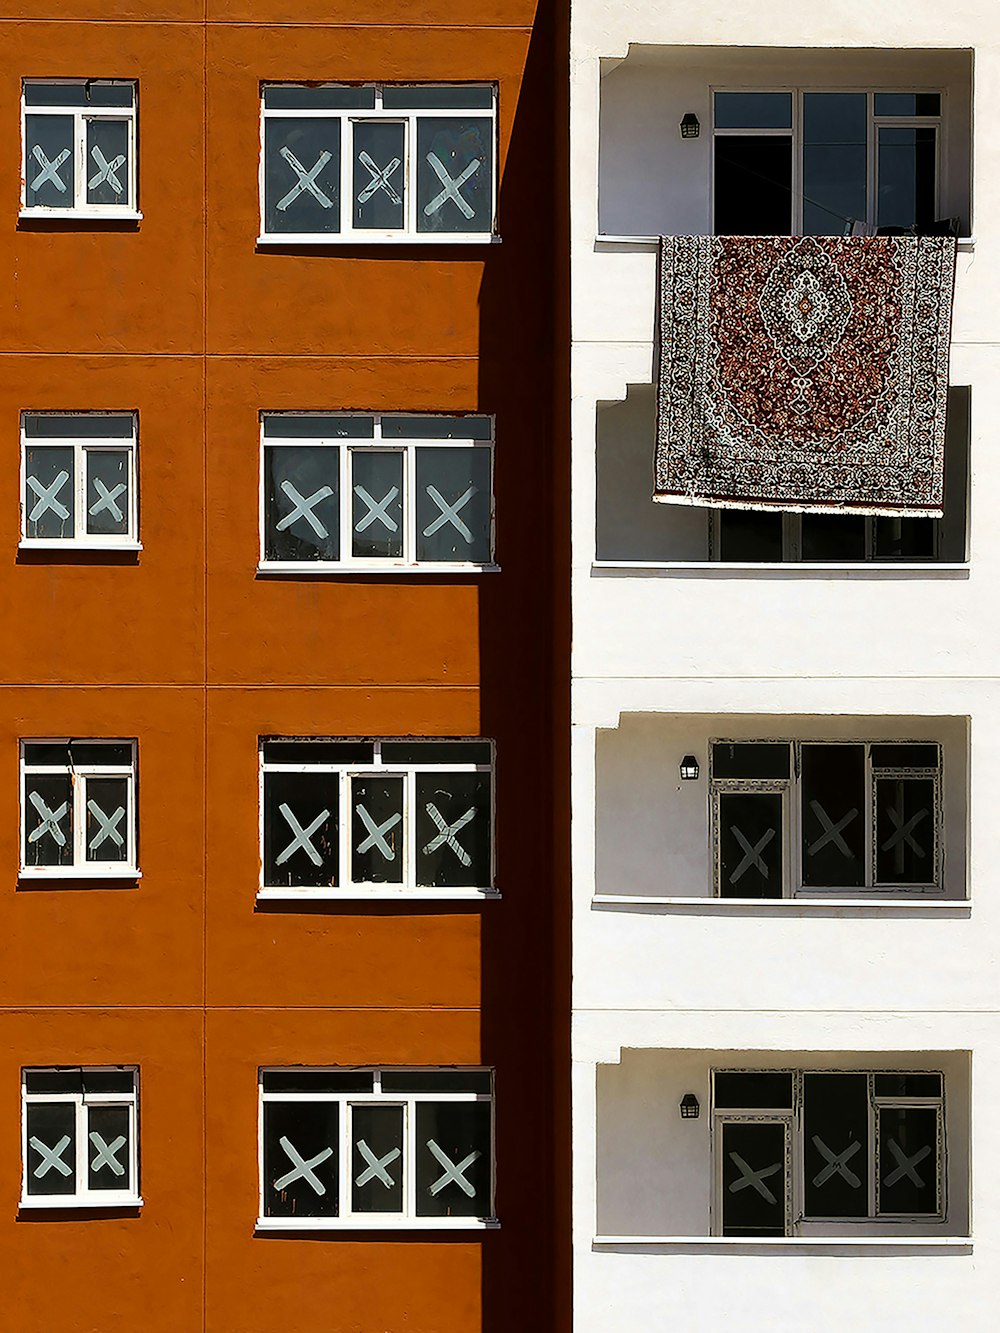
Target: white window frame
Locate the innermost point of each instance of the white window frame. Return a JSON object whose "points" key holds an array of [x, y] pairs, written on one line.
{"points": [[128, 211], [793, 849], [346, 771], [346, 1220], [797, 1223], [408, 234], [84, 1197], [82, 445], [349, 446], [81, 868], [795, 134]]}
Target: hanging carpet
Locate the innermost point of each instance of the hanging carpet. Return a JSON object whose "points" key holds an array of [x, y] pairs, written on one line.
{"points": [[804, 373]]}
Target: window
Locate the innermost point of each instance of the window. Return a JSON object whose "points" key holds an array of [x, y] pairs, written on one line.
{"points": [[826, 163], [743, 535], [79, 480], [376, 1148], [78, 809], [377, 818], [79, 146], [794, 1147], [350, 492], [809, 818], [378, 163], [80, 1137]]}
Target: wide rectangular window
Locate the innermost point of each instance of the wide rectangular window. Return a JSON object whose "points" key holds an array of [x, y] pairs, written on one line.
{"points": [[869, 1147], [826, 163], [353, 491], [382, 163], [376, 1148], [79, 148], [815, 817], [80, 1137], [78, 486], [377, 818], [78, 808]]}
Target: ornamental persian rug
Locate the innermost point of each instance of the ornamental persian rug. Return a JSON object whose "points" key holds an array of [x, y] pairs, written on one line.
{"points": [[804, 373]]}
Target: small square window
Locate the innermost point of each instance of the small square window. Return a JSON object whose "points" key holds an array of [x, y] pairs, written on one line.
{"points": [[79, 149], [78, 485], [80, 1138], [376, 493], [372, 163], [78, 809], [399, 1153]]}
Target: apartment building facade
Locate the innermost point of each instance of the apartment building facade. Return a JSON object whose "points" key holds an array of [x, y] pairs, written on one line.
{"points": [[785, 1023], [278, 779]]}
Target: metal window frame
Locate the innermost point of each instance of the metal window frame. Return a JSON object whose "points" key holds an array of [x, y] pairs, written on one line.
{"points": [[349, 446], [79, 776], [346, 1219], [348, 117], [81, 208], [82, 445], [83, 1196], [346, 771]]}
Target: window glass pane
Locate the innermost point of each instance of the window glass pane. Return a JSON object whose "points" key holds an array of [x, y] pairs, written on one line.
{"points": [[908, 1161], [48, 821], [835, 162], [907, 104], [379, 175], [906, 538], [753, 111], [319, 752], [51, 1157], [46, 752], [756, 1088], [455, 174], [108, 1080], [454, 1159], [107, 492], [48, 161], [753, 186], [285, 97], [453, 504], [53, 1080], [907, 1085], [107, 819], [79, 425], [436, 428], [907, 172], [833, 537], [750, 841], [317, 1080], [905, 756], [453, 830], [55, 94], [107, 162], [744, 535], [905, 819], [835, 1145], [753, 1179], [301, 502], [94, 753], [110, 94], [300, 829], [377, 1159], [293, 426], [302, 174], [751, 759], [833, 816], [48, 492], [437, 752], [377, 852], [108, 1166], [300, 1159], [377, 504], [431, 96], [437, 1080]]}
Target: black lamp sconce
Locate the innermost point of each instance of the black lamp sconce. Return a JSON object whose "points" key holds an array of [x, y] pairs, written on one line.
{"points": [[689, 768], [690, 128], [690, 1110]]}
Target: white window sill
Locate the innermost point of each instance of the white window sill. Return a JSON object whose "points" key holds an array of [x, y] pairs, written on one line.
{"points": [[385, 895], [376, 1223], [56, 1202], [783, 1242], [964, 243], [78, 873], [814, 567], [337, 238], [80, 215], [921, 901], [339, 569], [72, 544]]}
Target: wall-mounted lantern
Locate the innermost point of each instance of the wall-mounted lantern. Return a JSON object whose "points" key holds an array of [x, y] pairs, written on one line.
{"points": [[690, 1110], [689, 768], [690, 128]]}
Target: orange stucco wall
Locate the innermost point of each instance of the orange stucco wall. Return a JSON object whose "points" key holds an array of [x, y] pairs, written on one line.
{"points": [[185, 320]]}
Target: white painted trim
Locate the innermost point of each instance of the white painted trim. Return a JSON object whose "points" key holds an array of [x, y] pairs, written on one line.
{"points": [[70, 544], [379, 1222], [57, 1202], [77, 873], [340, 568], [823, 904], [377, 238], [780, 566], [377, 895], [780, 1242]]}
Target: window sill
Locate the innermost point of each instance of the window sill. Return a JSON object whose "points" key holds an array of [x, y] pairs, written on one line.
{"points": [[383, 895], [339, 240], [787, 568], [70, 545], [377, 1224], [78, 874], [922, 902], [56, 1203], [782, 1242], [329, 569], [964, 243], [78, 215]]}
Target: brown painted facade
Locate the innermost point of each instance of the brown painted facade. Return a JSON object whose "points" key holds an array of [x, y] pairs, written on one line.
{"points": [[185, 320]]}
